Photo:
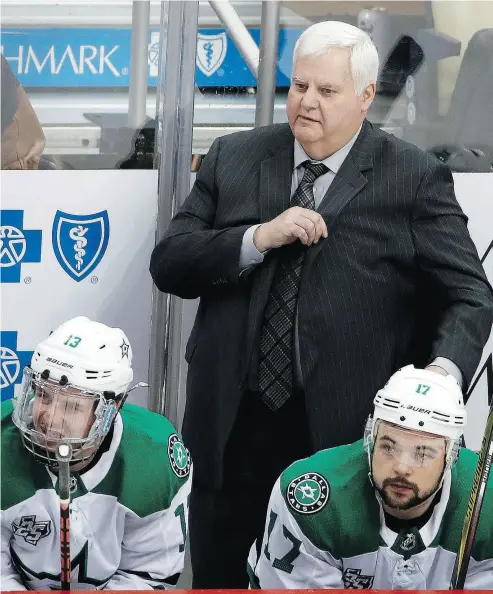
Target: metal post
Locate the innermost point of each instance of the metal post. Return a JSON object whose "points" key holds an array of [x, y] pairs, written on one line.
{"points": [[177, 80], [269, 42], [138, 64], [238, 32]]}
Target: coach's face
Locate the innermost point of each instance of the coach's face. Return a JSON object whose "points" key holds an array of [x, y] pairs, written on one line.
{"points": [[324, 111]]}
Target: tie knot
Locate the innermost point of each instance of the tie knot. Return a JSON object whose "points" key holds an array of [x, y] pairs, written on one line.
{"points": [[313, 170]]}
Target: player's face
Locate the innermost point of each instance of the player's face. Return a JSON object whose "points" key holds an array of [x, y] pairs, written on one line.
{"points": [[407, 466], [324, 111], [60, 413]]}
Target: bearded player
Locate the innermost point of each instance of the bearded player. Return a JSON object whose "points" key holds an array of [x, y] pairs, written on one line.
{"points": [[385, 512]]}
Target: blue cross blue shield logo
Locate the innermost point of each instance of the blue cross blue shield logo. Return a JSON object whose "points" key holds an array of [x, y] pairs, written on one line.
{"points": [[80, 241], [12, 363], [211, 51], [17, 245]]}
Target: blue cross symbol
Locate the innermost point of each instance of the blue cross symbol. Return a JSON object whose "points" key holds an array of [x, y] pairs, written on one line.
{"points": [[12, 363], [17, 245]]}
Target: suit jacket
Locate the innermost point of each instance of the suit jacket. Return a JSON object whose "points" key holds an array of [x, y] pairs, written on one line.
{"points": [[397, 281]]}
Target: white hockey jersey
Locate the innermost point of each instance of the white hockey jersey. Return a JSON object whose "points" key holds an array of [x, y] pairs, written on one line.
{"points": [[129, 512], [326, 529]]}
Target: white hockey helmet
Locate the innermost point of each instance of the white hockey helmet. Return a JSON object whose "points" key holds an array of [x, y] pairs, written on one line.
{"points": [[78, 379], [91, 355], [421, 401]]}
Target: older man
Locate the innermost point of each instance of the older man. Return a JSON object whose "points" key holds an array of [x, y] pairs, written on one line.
{"points": [[326, 255]]}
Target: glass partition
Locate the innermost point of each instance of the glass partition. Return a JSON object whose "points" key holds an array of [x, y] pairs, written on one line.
{"points": [[73, 60], [435, 86]]}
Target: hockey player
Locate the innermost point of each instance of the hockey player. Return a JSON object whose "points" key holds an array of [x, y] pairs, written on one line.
{"points": [[130, 472], [386, 512]]}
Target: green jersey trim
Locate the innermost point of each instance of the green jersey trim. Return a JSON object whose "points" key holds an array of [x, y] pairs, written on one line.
{"points": [[78, 568], [22, 475], [450, 531], [254, 581]]}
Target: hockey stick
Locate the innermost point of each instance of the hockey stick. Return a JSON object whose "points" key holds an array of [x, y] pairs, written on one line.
{"points": [[474, 507], [64, 455]]}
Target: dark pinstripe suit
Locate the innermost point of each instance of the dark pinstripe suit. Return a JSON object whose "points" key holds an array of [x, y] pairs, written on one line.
{"points": [[397, 281]]}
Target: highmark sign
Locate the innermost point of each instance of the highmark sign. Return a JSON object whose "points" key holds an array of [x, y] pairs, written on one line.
{"points": [[72, 57]]}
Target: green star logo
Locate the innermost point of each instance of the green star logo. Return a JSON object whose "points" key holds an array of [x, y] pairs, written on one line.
{"points": [[308, 493], [178, 456]]}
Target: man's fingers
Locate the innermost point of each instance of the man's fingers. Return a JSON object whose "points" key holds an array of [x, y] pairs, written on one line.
{"points": [[302, 223], [310, 228], [299, 232], [319, 224]]}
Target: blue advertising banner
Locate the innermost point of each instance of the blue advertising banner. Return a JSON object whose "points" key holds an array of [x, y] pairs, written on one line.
{"points": [[74, 57]]}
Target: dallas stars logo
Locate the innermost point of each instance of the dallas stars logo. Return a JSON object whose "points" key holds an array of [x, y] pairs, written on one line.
{"points": [[308, 493], [178, 456]]}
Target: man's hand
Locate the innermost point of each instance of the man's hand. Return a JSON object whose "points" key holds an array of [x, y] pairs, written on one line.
{"points": [[436, 369], [295, 223]]}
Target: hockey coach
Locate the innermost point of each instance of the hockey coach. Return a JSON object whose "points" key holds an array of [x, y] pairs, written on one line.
{"points": [[326, 254]]}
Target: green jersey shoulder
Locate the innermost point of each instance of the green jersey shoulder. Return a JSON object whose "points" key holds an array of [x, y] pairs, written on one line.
{"points": [[148, 468], [150, 465], [450, 531], [22, 476], [335, 505], [331, 498]]}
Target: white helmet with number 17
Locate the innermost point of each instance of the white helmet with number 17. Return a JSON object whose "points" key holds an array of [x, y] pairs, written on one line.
{"points": [[422, 401]]}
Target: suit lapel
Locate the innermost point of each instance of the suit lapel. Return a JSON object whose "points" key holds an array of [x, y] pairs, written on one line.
{"points": [[348, 182], [275, 183]]}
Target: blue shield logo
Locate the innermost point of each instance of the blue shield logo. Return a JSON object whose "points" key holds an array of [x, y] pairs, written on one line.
{"points": [[211, 51], [80, 241]]}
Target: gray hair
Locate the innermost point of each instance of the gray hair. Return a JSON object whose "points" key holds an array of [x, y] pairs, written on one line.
{"points": [[363, 57]]}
